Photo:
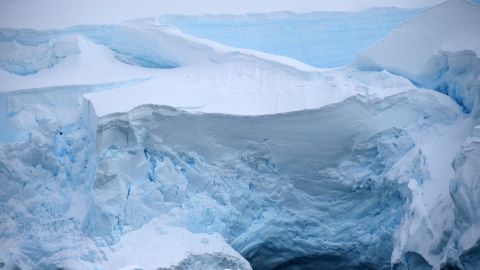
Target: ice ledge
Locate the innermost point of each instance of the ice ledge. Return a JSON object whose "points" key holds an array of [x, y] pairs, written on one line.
{"points": [[159, 246]]}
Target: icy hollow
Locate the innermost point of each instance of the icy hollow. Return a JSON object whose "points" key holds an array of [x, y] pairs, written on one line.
{"points": [[136, 146]]}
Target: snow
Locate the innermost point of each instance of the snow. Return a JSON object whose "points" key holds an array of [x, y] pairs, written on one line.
{"points": [[89, 64], [215, 78], [118, 57], [236, 81], [196, 151], [156, 245], [246, 90], [135, 145], [417, 41], [439, 49]]}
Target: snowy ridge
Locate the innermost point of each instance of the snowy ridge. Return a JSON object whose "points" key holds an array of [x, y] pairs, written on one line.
{"points": [[235, 81], [103, 54], [215, 78]]}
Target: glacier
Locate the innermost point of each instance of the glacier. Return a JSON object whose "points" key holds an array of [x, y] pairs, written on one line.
{"points": [[444, 58], [321, 39], [139, 146]]}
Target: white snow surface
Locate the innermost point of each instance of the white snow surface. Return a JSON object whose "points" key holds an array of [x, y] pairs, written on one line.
{"points": [[200, 75], [89, 64], [215, 78], [448, 27], [156, 245]]}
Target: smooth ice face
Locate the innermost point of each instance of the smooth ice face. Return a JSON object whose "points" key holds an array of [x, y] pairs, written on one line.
{"points": [[321, 39]]}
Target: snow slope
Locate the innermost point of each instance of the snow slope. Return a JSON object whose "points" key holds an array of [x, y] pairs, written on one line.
{"points": [[69, 60], [438, 49], [435, 30], [156, 245]]}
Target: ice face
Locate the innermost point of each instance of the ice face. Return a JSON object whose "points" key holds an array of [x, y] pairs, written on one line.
{"points": [[253, 180], [24, 60], [321, 39], [46, 171]]}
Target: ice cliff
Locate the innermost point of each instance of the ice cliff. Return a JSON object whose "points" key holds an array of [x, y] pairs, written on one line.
{"points": [[137, 146], [321, 39], [439, 49]]}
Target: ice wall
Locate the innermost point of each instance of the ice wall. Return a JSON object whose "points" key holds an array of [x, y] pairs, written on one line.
{"points": [[321, 39], [439, 49], [46, 163], [283, 193]]}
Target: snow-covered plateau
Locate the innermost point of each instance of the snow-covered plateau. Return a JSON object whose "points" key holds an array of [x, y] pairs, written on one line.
{"points": [[136, 145]]}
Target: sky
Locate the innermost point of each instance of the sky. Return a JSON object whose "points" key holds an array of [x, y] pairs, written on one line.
{"points": [[44, 14]]}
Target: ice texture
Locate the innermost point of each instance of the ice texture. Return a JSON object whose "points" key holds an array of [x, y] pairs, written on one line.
{"points": [[321, 39], [439, 49], [46, 170], [465, 194]]}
